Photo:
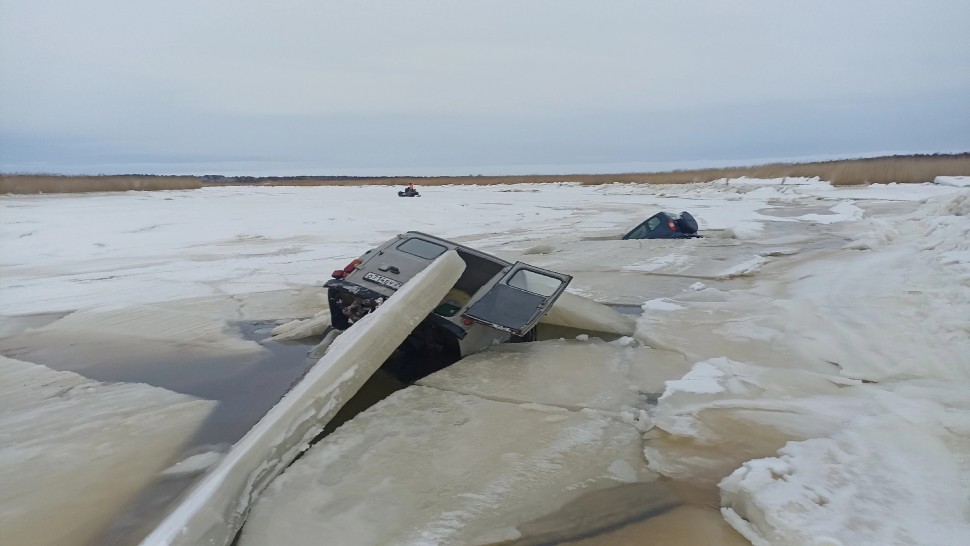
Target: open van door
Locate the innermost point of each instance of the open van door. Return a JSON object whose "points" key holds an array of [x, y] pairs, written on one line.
{"points": [[515, 302]]}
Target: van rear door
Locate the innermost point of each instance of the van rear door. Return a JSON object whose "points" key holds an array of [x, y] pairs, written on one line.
{"points": [[516, 301]]}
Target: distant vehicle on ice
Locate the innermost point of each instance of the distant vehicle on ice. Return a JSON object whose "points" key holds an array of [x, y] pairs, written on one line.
{"points": [[665, 225], [492, 302], [409, 191]]}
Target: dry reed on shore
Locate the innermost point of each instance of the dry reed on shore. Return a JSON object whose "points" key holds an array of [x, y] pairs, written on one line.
{"points": [[42, 183], [879, 170]]}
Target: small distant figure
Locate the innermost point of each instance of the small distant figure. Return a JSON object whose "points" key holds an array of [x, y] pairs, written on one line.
{"points": [[409, 191]]}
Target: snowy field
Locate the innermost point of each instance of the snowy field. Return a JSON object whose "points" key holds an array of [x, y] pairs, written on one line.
{"points": [[797, 376]]}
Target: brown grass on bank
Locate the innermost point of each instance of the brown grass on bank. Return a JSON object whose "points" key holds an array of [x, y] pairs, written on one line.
{"points": [[46, 183], [878, 170], [881, 170]]}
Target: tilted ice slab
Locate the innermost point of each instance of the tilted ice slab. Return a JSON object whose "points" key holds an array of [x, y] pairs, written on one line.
{"points": [[427, 466], [498, 439], [573, 311], [217, 505], [74, 452]]}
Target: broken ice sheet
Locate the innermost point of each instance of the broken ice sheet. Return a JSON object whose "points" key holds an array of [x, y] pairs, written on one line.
{"points": [[429, 466], [560, 419], [76, 451], [566, 373]]}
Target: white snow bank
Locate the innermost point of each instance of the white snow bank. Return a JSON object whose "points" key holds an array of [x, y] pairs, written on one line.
{"points": [[886, 462], [784, 396], [956, 181], [75, 452], [882, 482], [897, 306], [660, 304], [914, 320], [766, 193], [703, 378], [863, 464], [844, 211], [743, 269], [784, 181]]}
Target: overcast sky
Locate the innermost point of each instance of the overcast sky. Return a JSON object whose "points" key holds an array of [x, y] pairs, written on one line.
{"points": [[484, 87]]}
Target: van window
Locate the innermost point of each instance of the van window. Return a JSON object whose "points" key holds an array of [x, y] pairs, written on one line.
{"points": [[653, 223], [537, 283], [422, 249]]}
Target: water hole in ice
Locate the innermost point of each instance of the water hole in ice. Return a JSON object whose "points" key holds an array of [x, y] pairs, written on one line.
{"points": [[245, 386]]}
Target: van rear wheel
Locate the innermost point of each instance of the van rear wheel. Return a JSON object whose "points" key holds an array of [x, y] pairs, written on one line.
{"points": [[337, 317]]}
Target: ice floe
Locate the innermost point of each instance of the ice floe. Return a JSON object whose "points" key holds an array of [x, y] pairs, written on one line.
{"points": [[782, 352], [75, 452]]}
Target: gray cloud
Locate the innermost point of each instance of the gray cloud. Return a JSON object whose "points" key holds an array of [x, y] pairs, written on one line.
{"points": [[334, 86]]}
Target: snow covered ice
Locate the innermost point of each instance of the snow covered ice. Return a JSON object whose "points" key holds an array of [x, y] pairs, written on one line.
{"points": [[805, 365]]}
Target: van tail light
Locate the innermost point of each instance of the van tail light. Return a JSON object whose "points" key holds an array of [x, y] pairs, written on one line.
{"points": [[341, 273], [468, 322], [672, 225], [352, 265]]}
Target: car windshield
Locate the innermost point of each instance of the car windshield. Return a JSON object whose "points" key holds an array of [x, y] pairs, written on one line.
{"points": [[638, 233]]}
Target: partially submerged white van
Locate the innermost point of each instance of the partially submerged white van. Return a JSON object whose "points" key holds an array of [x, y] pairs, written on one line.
{"points": [[492, 302]]}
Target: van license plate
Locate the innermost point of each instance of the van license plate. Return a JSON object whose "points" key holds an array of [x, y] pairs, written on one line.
{"points": [[381, 279]]}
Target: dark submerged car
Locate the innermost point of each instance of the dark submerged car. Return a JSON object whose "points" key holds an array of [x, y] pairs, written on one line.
{"points": [[665, 225]]}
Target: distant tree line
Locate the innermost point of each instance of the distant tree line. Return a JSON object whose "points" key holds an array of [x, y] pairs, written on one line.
{"points": [[913, 168], [220, 179]]}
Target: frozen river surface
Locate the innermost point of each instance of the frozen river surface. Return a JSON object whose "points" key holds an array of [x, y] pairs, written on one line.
{"points": [[798, 376]]}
